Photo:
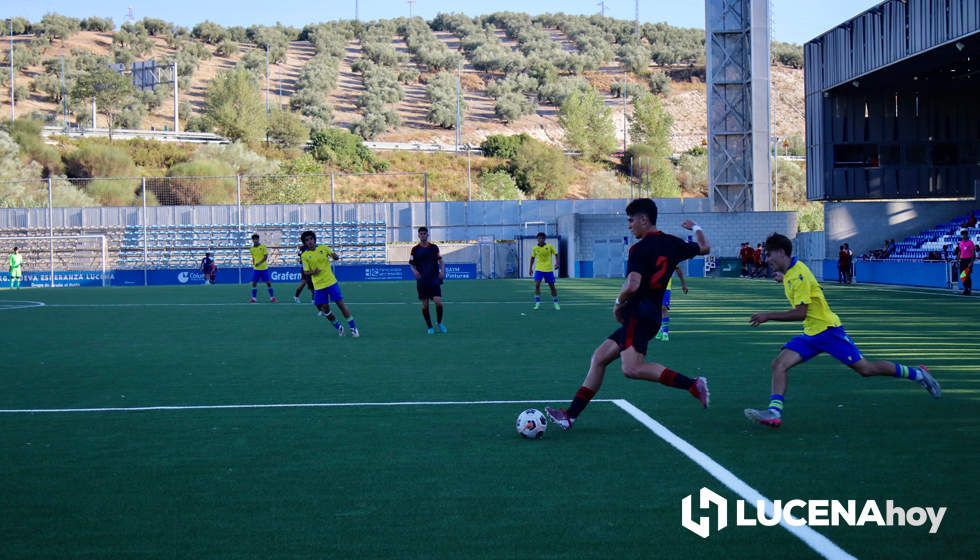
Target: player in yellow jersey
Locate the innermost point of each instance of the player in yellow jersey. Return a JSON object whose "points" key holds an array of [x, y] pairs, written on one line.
{"points": [[822, 332], [543, 269], [260, 268], [664, 334], [316, 264]]}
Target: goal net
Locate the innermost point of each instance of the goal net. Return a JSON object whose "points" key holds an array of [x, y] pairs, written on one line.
{"points": [[58, 261]]}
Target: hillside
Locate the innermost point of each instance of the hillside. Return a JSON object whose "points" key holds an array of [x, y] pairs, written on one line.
{"points": [[506, 35]]}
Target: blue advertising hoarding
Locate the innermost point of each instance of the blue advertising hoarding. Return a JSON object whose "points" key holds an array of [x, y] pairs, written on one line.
{"points": [[177, 277]]}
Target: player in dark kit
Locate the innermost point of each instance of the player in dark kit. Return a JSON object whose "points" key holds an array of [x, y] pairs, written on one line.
{"points": [[209, 269], [652, 260], [429, 271]]}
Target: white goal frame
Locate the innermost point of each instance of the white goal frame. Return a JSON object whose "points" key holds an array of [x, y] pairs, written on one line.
{"points": [[103, 251]]}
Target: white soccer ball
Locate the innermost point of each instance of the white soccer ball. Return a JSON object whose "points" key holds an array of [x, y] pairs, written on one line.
{"points": [[532, 423]]}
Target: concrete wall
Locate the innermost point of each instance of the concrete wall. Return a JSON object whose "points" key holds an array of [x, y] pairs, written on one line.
{"points": [[866, 225], [725, 232]]}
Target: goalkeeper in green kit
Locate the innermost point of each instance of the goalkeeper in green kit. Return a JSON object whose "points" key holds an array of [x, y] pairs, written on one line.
{"points": [[15, 260]]}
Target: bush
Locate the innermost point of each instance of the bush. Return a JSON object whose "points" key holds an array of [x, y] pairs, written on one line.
{"points": [[55, 26], [108, 192], [441, 91], [503, 146], [49, 86], [376, 122], [185, 187], [692, 173], [497, 185], [787, 54], [93, 159], [234, 106], [555, 92], [20, 26], [27, 134], [659, 83], [226, 48], [157, 27], [97, 24], [512, 106], [540, 170], [209, 32], [635, 57], [588, 125], [152, 154], [626, 89], [605, 184], [342, 150], [653, 170], [238, 157], [286, 130]]}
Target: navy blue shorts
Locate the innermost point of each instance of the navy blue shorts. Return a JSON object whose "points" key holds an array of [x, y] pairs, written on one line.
{"points": [[260, 276], [428, 289], [324, 296], [833, 341], [548, 277]]}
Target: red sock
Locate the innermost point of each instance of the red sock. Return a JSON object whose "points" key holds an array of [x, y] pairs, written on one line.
{"points": [[671, 378], [581, 400]]}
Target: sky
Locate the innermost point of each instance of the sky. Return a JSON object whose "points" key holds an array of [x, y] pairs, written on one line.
{"points": [[794, 21]]}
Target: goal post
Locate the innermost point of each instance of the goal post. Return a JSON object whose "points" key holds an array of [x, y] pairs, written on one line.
{"points": [[59, 260]]}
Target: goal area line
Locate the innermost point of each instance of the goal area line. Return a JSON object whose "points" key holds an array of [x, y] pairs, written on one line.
{"points": [[817, 542]]}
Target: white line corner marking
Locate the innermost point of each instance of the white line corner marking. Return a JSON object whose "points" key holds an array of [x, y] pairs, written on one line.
{"points": [[819, 543]]}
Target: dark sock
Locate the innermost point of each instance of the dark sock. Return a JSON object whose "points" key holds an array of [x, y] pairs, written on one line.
{"points": [[671, 378], [581, 400], [299, 291], [439, 314], [428, 318]]}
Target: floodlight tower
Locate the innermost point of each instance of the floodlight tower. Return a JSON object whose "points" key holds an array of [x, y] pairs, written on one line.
{"points": [[602, 8], [411, 6], [738, 82]]}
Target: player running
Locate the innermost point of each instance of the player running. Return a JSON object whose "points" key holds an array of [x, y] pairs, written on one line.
{"points": [[15, 261], [316, 264], [304, 279], [651, 261], [260, 268], [429, 271], [822, 332], [664, 334], [543, 269]]}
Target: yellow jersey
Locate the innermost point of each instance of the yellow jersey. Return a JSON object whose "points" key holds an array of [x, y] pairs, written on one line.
{"points": [[319, 257], [542, 257], [259, 251], [802, 287]]}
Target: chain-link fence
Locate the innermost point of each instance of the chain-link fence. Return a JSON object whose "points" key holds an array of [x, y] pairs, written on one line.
{"points": [[171, 222]]}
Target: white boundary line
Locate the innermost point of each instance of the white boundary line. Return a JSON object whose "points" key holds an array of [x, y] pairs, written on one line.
{"points": [[819, 543], [268, 405], [10, 304]]}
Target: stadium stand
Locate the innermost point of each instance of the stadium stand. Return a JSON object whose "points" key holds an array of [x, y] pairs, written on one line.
{"points": [[182, 246], [935, 243]]}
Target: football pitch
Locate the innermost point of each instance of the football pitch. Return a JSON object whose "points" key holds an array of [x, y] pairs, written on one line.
{"points": [[185, 423]]}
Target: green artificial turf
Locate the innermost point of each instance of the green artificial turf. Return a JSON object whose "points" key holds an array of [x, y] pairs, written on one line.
{"points": [[455, 480]]}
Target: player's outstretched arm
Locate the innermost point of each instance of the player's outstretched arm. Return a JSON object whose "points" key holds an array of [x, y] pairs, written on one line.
{"points": [[796, 314], [699, 236]]}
